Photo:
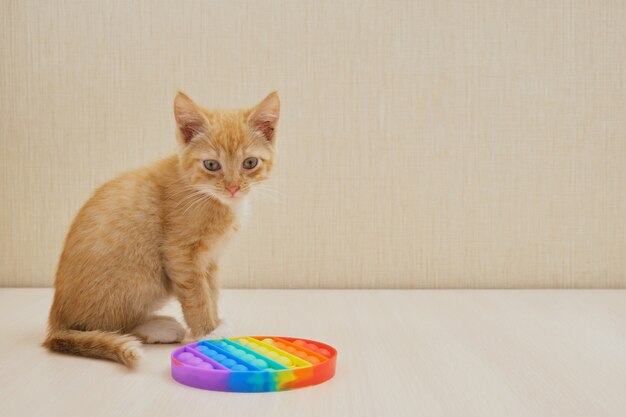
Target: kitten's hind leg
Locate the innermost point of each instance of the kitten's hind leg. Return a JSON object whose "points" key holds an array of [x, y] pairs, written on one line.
{"points": [[160, 329]]}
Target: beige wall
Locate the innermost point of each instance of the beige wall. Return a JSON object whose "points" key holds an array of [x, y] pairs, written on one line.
{"points": [[422, 143]]}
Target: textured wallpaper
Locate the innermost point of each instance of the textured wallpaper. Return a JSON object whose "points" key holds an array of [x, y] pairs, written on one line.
{"points": [[422, 143]]}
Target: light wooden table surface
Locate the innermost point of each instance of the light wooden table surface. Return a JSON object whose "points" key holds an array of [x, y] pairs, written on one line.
{"points": [[401, 353]]}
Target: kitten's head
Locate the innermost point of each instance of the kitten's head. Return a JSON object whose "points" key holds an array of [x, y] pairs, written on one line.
{"points": [[225, 153]]}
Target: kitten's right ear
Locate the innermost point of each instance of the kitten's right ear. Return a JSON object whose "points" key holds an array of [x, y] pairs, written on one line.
{"points": [[189, 118]]}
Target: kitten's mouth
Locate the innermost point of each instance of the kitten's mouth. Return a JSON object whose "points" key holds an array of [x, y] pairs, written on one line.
{"points": [[231, 198]]}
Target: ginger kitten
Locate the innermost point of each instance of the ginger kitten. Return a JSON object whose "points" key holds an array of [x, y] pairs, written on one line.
{"points": [[158, 232]]}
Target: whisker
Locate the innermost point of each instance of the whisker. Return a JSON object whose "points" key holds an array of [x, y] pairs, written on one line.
{"points": [[189, 203], [269, 190], [184, 188], [189, 197], [202, 200], [257, 192]]}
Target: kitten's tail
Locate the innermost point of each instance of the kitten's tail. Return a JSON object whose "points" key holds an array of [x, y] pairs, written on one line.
{"points": [[122, 348]]}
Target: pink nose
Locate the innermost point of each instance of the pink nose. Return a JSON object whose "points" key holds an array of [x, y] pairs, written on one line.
{"points": [[233, 190]]}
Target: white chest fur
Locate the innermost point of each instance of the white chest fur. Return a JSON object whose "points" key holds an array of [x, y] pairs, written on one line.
{"points": [[214, 246]]}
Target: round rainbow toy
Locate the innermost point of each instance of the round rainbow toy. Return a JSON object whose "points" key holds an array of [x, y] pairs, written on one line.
{"points": [[254, 363]]}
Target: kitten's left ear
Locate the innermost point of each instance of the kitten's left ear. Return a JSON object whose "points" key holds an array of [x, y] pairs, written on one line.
{"points": [[264, 116]]}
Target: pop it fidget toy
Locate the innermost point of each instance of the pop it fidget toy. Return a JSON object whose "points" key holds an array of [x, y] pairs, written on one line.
{"points": [[253, 363]]}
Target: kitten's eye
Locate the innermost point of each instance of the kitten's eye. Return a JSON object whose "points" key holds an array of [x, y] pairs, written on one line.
{"points": [[212, 165], [250, 163]]}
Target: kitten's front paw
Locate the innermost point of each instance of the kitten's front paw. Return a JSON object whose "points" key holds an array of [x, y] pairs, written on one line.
{"points": [[205, 331], [223, 331]]}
